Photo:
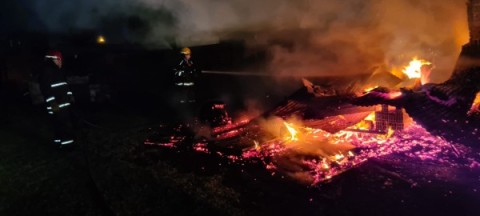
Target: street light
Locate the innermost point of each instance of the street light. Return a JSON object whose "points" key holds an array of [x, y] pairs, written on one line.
{"points": [[101, 39]]}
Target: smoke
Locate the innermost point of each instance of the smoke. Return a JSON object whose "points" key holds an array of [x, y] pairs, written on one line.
{"points": [[326, 37], [350, 37], [304, 37], [119, 20]]}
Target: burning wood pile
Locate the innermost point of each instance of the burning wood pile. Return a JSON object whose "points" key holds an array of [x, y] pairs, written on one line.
{"points": [[318, 134]]}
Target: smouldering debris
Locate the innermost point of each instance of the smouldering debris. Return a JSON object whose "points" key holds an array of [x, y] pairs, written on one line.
{"points": [[315, 156]]}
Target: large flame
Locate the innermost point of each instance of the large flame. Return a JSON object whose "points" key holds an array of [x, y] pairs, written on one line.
{"points": [[414, 68]]}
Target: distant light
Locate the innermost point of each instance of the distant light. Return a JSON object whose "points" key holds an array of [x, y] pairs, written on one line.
{"points": [[101, 39]]}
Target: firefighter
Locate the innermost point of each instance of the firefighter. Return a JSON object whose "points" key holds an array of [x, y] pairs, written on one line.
{"points": [[186, 74], [58, 99]]}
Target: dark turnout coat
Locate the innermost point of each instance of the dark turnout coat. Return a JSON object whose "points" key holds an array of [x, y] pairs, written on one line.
{"points": [[186, 73], [54, 87], [58, 99]]}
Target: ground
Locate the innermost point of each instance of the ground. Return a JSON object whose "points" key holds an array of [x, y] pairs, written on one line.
{"points": [[113, 173]]}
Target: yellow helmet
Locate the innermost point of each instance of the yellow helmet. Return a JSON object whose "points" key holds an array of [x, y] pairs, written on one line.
{"points": [[186, 51]]}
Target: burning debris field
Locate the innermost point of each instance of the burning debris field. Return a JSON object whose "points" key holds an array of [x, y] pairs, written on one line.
{"points": [[318, 138], [315, 151], [409, 130], [317, 134]]}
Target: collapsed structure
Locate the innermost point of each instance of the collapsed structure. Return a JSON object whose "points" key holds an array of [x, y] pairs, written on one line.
{"points": [[320, 133]]}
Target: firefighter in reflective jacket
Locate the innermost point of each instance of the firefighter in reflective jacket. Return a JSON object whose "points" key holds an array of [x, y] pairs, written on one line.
{"points": [[186, 73], [58, 99]]}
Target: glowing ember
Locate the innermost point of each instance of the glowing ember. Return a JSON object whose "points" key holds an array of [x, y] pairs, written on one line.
{"points": [[414, 142], [201, 147], [393, 95], [414, 69], [339, 157], [350, 154], [313, 156]]}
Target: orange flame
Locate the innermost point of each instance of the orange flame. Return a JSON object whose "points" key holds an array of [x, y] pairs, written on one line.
{"points": [[370, 89], [367, 123], [390, 133], [292, 131], [414, 69], [257, 145], [476, 105]]}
